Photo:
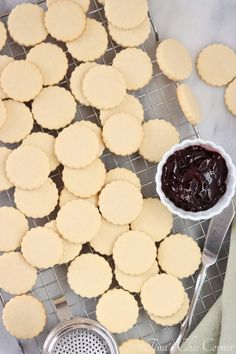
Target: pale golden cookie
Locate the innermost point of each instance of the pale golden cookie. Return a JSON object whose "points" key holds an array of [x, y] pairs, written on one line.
{"points": [[5, 183], [104, 87], [230, 100], [162, 295], [16, 275], [27, 167], [3, 35], [106, 237], [122, 174], [24, 316], [78, 221], [26, 24], [51, 61], [135, 65], [159, 137], [92, 44], [83, 3], [21, 80], [4, 60], [122, 134], [3, 113], [14, 225], [68, 13], [67, 196], [37, 203], [97, 130], [189, 103], [174, 59], [154, 219], [216, 64], [89, 275], [136, 346], [179, 255], [54, 107], [120, 202], [19, 122]]}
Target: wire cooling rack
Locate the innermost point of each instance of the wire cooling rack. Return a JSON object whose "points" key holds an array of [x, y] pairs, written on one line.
{"points": [[159, 101]]}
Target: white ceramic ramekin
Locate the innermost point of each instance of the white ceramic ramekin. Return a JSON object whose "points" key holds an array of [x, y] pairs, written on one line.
{"points": [[223, 201]]}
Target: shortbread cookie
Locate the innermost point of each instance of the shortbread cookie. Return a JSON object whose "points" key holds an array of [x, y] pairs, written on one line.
{"points": [[26, 24], [54, 107], [21, 80], [189, 103], [37, 203], [4, 60], [154, 219], [14, 225], [16, 275], [78, 221], [97, 130], [3, 35], [134, 283], [126, 14], [83, 3], [3, 113], [122, 134], [120, 202], [179, 255], [68, 13], [89, 275], [92, 44], [67, 196], [133, 37], [5, 183], [87, 181], [122, 174], [117, 310], [136, 346], [137, 262], [104, 87], [24, 316], [106, 237], [27, 167], [162, 295], [130, 104], [230, 97], [79, 139], [174, 59], [19, 122], [176, 317], [46, 143], [135, 65], [216, 64], [51, 61], [159, 137], [42, 247]]}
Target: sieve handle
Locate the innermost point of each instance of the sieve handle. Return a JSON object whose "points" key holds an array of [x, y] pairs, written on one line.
{"points": [[62, 308]]}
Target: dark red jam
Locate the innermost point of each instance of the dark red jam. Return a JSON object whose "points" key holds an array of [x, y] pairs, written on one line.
{"points": [[194, 178]]}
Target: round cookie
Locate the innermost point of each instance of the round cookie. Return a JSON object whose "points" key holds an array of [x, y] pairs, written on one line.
{"points": [[135, 65], [89, 275], [16, 275], [51, 61], [104, 87], [16, 315], [216, 64], [26, 24], [37, 203], [97, 130], [21, 80], [27, 167], [19, 122], [134, 283], [110, 310], [106, 237], [3, 113], [14, 225], [154, 219], [230, 100], [122, 134], [79, 139], [81, 181], [78, 221], [84, 4], [137, 346], [174, 59], [179, 255], [92, 44], [126, 14], [120, 202], [54, 107], [67, 196], [162, 295], [3, 35], [5, 183], [189, 103], [68, 13], [4, 60], [122, 174], [46, 143], [159, 137], [42, 247]]}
